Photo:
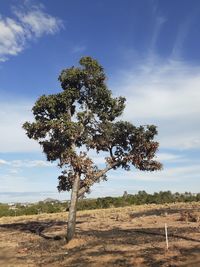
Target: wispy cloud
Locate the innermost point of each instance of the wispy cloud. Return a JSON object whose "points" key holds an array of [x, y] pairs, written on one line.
{"points": [[165, 93], [78, 49], [25, 25], [26, 163], [30, 163], [182, 35], [170, 157], [173, 174], [36, 22], [27, 175], [159, 22], [3, 162], [12, 38]]}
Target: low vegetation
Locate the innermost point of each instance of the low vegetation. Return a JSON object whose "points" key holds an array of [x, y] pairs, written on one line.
{"points": [[100, 203]]}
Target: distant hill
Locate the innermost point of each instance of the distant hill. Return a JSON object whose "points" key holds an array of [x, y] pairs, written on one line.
{"points": [[46, 200]]}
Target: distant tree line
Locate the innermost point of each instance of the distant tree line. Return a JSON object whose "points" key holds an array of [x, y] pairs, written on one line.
{"points": [[140, 198], [137, 199], [31, 209]]}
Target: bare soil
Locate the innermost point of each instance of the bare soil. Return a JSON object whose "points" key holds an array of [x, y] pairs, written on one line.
{"points": [[130, 236]]}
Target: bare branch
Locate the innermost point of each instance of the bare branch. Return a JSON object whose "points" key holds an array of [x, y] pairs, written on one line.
{"points": [[84, 189]]}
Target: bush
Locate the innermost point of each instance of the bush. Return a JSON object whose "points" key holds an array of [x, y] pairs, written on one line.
{"points": [[100, 203]]}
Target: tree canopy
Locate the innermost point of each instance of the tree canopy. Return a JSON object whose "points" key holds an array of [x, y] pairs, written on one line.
{"points": [[82, 116]]}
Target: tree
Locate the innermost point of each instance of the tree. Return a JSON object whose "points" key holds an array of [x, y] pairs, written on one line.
{"points": [[81, 118]]}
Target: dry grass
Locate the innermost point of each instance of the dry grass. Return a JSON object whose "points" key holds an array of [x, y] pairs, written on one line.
{"points": [[130, 236]]}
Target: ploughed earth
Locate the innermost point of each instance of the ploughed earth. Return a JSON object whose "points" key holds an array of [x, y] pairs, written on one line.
{"points": [[129, 236]]}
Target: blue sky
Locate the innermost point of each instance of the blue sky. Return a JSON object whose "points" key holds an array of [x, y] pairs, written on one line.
{"points": [[150, 52]]}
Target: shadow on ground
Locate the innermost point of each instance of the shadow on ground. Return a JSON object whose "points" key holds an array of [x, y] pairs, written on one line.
{"points": [[135, 238], [160, 212], [36, 227], [120, 247]]}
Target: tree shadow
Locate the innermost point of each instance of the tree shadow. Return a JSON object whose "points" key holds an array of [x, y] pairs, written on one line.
{"points": [[111, 244], [160, 212], [194, 253], [187, 257], [159, 233], [119, 238], [37, 227]]}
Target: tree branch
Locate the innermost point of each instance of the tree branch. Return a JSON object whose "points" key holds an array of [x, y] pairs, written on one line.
{"points": [[84, 189], [111, 153]]}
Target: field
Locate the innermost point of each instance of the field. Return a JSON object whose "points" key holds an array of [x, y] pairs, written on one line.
{"points": [[130, 236]]}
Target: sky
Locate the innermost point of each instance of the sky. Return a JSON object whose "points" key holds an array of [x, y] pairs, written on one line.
{"points": [[150, 52]]}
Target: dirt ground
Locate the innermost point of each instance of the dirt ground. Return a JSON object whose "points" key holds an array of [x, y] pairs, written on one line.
{"points": [[130, 236]]}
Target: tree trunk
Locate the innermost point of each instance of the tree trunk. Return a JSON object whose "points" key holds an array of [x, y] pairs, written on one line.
{"points": [[72, 209]]}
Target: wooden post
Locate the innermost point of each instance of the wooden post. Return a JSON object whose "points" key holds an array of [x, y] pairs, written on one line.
{"points": [[166, 236]]}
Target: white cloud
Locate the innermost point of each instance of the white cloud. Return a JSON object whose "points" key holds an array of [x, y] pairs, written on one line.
{"points": [[3, 162], [179, 174], [170, 157], [12, 38], [31, 163], [166, 94], [38, 23], [23, 27], [25, 164]]}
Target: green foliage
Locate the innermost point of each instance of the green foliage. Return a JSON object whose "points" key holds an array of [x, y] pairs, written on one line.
{"points": [[31, 209], [83, 116], [138, 199], [100, 203]]}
